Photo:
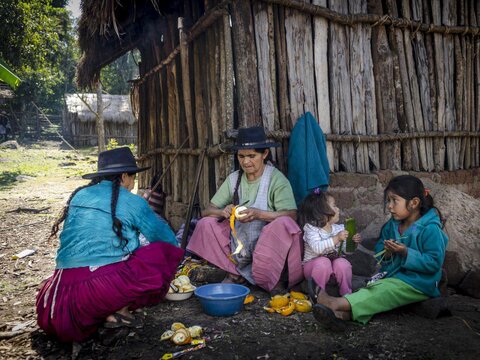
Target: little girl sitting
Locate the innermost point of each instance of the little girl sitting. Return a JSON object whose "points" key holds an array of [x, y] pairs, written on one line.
{"points": [[412, 244], [324, 242]]}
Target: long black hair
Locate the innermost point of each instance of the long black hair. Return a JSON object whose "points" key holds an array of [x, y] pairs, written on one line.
{"points": [[116, 223], [409, 187], [236, 199], [63, 216], [315, 210]]}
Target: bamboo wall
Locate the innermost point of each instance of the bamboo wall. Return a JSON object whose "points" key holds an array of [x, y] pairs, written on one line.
{"points": [[394, 84]]}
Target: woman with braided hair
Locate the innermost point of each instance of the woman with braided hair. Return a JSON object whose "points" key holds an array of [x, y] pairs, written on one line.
{"points": [[264, 247], [102, 273]]}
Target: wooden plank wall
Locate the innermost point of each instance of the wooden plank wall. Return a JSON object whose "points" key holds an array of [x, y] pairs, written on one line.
{"points": [[266, 63]]}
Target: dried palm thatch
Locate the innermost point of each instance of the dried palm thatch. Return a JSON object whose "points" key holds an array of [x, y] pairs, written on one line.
{"points": [[109, 28], [117, 107]]}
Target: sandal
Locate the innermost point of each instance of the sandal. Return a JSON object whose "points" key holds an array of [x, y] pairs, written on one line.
{"points": [[123, 321], [327, 319], [313, 290]]}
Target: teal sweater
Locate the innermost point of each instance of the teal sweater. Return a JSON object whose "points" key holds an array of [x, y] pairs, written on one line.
{"points": [[426, 243], [88, 239]]}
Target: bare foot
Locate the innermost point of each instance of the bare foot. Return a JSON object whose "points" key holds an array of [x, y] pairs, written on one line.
{"points": [[325, 299], [344, 315], [234, 279]]}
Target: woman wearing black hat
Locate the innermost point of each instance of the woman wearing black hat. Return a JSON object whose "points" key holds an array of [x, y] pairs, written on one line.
{"points": [[101, 271], [265, 240]]}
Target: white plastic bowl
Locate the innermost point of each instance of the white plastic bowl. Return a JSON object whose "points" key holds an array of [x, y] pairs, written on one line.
{"points": [[179, 296]]}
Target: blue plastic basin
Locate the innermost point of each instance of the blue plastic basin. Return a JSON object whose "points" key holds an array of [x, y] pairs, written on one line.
{"points": [[222, 299]]}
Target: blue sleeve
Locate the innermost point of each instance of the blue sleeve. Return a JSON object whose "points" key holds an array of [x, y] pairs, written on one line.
{"points": [[379, 246], [152, 226], [429, 259]]}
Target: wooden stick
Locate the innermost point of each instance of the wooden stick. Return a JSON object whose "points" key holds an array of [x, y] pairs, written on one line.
{"points": [[188, 218], [221, 149], [166, 170], [60, 136], [35, 211], [374, 20], [202, 24]]}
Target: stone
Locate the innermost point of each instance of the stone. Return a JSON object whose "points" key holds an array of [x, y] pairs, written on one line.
{"points": [[470, 285], [353, 180], [344, 198], [431, 308], [460, 211], [207, 274], [363, 262], [10, 144], [453, 268]]}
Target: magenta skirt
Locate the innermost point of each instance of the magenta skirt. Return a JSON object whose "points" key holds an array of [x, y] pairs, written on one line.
{"points": [[74, 302]]}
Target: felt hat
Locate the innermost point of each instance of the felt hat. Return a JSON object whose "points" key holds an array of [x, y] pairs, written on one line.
{"points": [[116, 161], [253, 138]]}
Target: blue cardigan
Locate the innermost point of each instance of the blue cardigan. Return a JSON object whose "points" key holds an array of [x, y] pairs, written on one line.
{"points": [[426, 243], [88, 239]]}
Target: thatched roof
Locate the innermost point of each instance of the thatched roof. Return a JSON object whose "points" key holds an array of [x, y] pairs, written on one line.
{"points": [[117, 108], [108, 29]]}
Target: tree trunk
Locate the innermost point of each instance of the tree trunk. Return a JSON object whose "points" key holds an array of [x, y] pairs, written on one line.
{"points": [[100, 124]]}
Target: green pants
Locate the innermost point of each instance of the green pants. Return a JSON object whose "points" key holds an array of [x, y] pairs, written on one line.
{"points": [[382, 295]]}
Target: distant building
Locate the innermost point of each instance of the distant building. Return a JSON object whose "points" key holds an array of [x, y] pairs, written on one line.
{"points": [[79, 122], [5, 93]]}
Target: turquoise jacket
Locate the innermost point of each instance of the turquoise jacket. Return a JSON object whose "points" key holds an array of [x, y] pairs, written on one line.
{"points": [[426, 243], [88, 239]]}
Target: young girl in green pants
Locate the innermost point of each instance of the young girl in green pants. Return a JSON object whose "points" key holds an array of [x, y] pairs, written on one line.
{"points": [[412, 244]]}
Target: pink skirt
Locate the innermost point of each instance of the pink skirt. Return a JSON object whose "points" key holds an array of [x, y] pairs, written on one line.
{"points": [[74, 302], [279, 246]]}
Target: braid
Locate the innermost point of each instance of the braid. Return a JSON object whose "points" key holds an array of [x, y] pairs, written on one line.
{"points": [[117, 224], [64, 215], [236, 199]]}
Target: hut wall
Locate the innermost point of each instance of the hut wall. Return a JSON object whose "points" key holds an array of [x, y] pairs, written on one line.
{"points": [[84, 133], [394, 85]]}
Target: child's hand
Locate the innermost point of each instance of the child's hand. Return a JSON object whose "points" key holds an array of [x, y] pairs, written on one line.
{"points": [[395, 248], [341, 236], [357, 238]]}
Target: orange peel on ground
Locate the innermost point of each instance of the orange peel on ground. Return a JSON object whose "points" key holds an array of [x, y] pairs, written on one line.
{"points": [[248, 299]]}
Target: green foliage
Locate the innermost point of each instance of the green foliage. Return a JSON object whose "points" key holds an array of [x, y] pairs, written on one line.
{"points": [[38, 42], [113, 144], [115, 76]]}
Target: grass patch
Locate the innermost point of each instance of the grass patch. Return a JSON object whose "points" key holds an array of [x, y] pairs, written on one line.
{"points": [[7, 179], [42, 164]]}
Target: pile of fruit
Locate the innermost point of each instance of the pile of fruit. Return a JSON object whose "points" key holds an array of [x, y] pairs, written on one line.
{"points": [[288, 303], [181, 284], [179, 334]]}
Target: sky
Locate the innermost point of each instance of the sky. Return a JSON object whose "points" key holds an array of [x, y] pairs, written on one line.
{"points": [[74, 7]]}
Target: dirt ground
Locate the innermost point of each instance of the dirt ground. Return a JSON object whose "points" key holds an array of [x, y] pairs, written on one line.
{"points": [[28, 209]]}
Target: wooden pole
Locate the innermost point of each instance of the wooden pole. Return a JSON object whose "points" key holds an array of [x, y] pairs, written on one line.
{"points": [[159, 181], [191, 203], [386, 106], [246, 77], [320, 49], [340, 94]]}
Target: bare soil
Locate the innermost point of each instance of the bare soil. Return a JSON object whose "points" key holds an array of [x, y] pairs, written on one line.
{"points": [[251, 334]]}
